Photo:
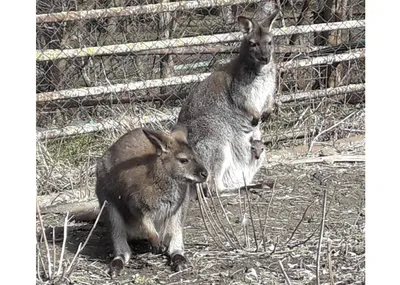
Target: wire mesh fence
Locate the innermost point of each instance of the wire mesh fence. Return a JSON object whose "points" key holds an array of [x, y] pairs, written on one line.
{"points": [[104, 67]]}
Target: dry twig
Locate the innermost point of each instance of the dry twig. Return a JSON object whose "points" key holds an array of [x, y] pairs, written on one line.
{"points": [[54, 248], [49, 275], [204, 213], [332, 281], [227, 219], [321, 235], [80, 248], [298, 224], [212, 191], [250, 213], [266, 215], [284, 273], [328, 129], [63, 245]]}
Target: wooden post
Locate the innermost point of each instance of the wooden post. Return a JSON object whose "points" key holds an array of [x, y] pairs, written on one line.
{"points": [[229, 14], [323, 14], [166, 62], [339, 37]]}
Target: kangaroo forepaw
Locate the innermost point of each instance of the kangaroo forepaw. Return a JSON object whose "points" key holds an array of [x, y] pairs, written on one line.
{"points": [[178, 262], [255, 121], [158, 249], [116, 266]]}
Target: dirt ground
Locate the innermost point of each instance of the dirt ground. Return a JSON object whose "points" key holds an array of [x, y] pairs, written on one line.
{"points": [[292, 229]]}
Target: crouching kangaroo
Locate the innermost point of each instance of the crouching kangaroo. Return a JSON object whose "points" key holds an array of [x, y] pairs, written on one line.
{"points": [[223, 112], [145, 177]]}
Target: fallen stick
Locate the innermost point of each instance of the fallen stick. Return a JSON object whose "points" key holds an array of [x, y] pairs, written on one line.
{"points": [[80, 211], [330, 159], [284, 273], [321, 236]]}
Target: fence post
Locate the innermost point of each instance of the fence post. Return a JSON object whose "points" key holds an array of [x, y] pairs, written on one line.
{"points": [[166, 61]]}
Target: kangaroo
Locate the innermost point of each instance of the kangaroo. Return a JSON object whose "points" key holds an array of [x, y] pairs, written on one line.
{"points": [[145, 177], [223, 111], [257, 148]]}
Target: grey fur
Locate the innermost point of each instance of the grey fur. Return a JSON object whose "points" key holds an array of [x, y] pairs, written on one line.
{"points": [[257, 148], [145, 177], [223, 112]]}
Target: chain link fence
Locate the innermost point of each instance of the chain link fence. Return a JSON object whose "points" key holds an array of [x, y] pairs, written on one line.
{"points": [[103, 67]]}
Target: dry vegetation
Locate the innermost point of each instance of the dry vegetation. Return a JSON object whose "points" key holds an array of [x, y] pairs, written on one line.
{"points": [[290, 213], [282, 234]]}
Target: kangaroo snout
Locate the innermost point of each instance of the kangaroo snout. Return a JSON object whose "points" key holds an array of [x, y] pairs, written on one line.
{"points": [[264, 59], [201, 175], [257, 148]]}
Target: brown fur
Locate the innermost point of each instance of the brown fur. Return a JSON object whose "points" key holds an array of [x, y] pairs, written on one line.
{"points": [[145, 177]]}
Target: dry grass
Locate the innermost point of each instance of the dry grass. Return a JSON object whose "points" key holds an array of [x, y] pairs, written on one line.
{"points": [[291, 237], [307, 228]]}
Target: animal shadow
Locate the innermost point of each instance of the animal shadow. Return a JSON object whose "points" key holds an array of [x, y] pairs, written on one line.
{"points": [[98, 247]]}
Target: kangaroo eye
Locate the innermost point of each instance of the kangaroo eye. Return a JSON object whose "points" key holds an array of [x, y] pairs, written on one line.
{"points": [[270, 43], [252, 44], [183, 160]]}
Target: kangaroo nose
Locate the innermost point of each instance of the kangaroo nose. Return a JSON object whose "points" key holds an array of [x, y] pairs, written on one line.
{"points": [[204, 173], [265, 59]]}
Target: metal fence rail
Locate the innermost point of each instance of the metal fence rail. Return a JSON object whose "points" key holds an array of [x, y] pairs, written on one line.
{"points": [[106, 66]]}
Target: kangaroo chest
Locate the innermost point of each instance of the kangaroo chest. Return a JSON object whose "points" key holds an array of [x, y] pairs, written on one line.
{"points": [[259, 90]]}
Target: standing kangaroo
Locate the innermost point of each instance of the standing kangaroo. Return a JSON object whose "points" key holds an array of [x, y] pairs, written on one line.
{"points": [[223, 112], [145, 177]]}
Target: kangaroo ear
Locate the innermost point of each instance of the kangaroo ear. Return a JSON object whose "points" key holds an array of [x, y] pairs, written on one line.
{"points": [[158, 139], [179, 132], [267, 23], [246, 25]]}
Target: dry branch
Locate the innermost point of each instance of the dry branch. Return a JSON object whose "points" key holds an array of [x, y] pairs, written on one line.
{"points": [[205, 213], [54, 250], [331, 159], [301, 220], [331, 279], [227, 219], [303, 241], [80, 248], [176, 80], [328, 129], [321, 235], [135, 10], [39, 255], [53, 54], [60, 263], [250, 212], [86, 211], [267, 214], [291, 135], [45, 240], [284, 273], [213, 192]]}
